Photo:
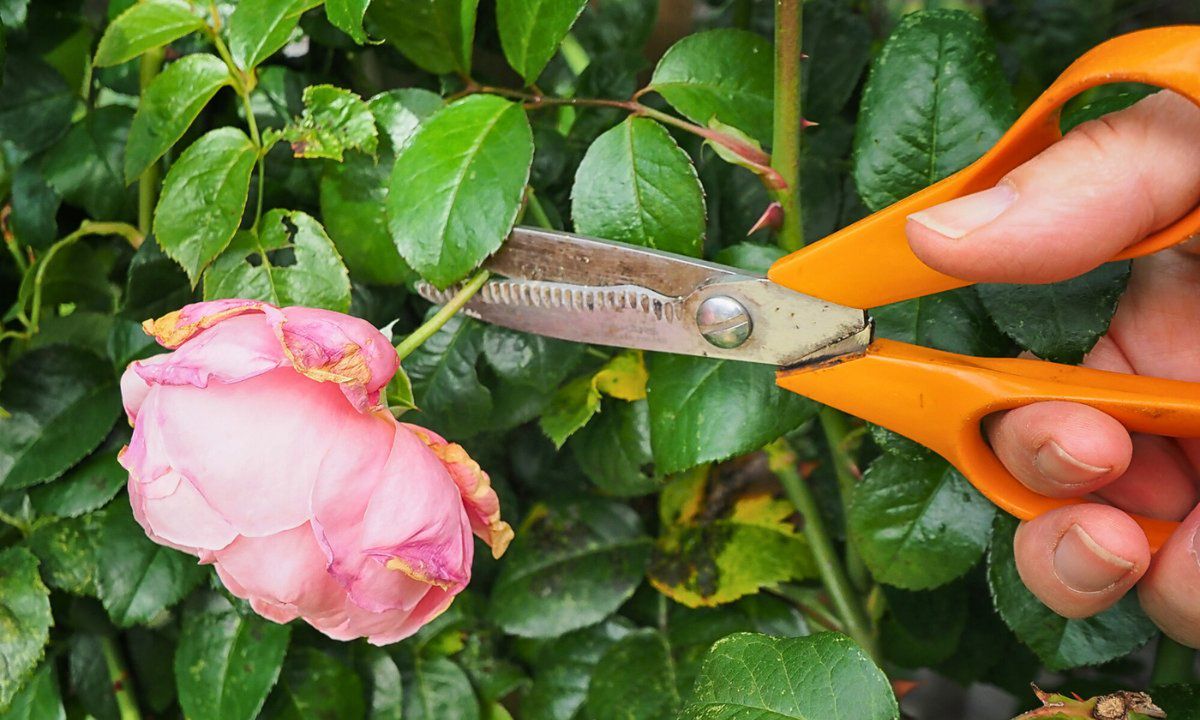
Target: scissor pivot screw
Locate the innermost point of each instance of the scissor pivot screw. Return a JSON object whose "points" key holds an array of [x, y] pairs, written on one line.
{"points": [[724, 322]]}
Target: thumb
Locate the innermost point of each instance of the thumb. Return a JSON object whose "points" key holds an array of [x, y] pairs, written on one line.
{"points": [[1107, 184]]}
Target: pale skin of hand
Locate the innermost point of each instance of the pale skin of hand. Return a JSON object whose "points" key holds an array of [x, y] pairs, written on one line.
{"points": [[1104, 186]]}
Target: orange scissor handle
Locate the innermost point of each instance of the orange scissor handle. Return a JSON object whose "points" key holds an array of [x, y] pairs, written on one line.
{"points": [[939, 399], [834, 268]]}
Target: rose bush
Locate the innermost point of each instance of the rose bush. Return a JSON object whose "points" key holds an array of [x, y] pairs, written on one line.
{"points": [[264, 181], [261, 446]]}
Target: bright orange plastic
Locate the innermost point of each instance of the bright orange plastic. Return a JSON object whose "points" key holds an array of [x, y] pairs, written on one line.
{"points": [[939, 399], [869, 263]]}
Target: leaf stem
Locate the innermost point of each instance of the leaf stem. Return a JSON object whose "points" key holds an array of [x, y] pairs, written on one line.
{"points": [[789, 122], [754, 157], [833, 577], [537, 211], [87, 227], [151, 64], [243, 84], [433, 324], [10, 240], [120, 678], [845, 468], [1173, 663]]}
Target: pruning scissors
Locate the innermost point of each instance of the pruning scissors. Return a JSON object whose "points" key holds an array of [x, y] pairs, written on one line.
{"points": [[808, 315]]}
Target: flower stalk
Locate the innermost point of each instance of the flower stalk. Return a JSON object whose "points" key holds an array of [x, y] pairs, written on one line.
{"points": [[447, 311], [789, 121]]}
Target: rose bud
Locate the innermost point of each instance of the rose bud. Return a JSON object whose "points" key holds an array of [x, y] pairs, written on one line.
{"points": [[260, 445]]}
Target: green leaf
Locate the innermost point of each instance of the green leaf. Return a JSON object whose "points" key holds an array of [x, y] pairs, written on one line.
{"points": [[399, 393], [703, 409], [573, 405], [35, 204], [353, 205], [955, 321], [531, 30], [570, 566], [334, 120], [1060, 643], [457, 186], [85, 166], [399, 113], [227, 660], [436, 35], [203, 197], [725, 74], [821, 676], [923, 628], [39, 698], [35, 107], [347, 16], [838, 42], [313, 276], [154, 285], [564, 668], [259, 28], [25, 606], [145, 26], [316, 686], [703, 561], [138, 578], [635, 680], [1061, 321], [384, 684], [62, 401], [935, 100], [89, 679], [533, 360], [66, 551], [1181, 701], [918, 523], [278, 96], [636, 185], [613, 450], [444, 379], [169, 106], [438, 689]]}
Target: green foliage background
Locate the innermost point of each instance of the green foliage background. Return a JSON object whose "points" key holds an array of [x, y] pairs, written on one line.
{"points": [[160, 152]]}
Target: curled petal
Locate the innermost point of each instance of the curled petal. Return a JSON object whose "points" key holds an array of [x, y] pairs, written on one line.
{"points": [[331, 347], [401, 521], [237, 349], [177, 327], [480, 499]]}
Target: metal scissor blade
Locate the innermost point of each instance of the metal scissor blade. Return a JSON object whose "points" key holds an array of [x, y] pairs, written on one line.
{"points": [[591, 291]]}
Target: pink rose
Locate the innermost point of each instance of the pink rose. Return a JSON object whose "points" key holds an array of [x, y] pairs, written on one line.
{"points": [[260, 445]]}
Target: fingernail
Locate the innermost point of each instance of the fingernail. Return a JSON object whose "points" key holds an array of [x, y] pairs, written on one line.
{"points": [[1084, 566], [1057, 466], [962, 215]]}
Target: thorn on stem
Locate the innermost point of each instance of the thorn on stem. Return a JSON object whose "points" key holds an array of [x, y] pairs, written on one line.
{"points": [[772, 218]]}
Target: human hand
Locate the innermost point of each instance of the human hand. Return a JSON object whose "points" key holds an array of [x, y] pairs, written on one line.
{"points": [[1108, 184]]}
